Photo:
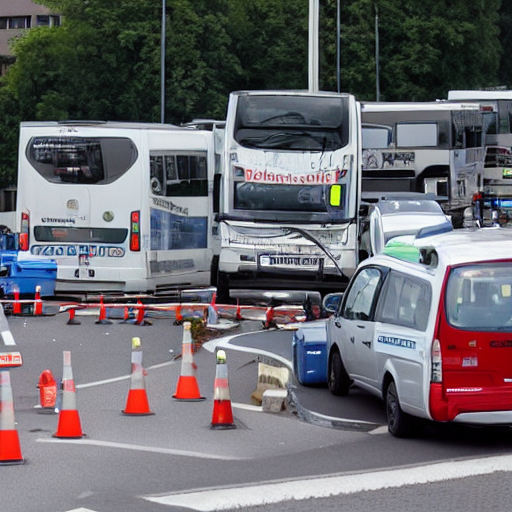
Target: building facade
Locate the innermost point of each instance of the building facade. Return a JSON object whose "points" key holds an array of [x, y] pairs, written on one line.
{"points": [[16, 16]]}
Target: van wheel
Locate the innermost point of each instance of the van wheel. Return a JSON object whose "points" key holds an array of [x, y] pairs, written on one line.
{"points": [[222, 288], [338, 381], [400, 424]]}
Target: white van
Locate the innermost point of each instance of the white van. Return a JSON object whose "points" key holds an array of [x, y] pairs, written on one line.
{"points": [[428, 328]]}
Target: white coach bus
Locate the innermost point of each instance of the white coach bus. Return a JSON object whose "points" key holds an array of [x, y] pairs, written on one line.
{"points": [[496, 199], [289, 191], [121, 207], [428, 147]]}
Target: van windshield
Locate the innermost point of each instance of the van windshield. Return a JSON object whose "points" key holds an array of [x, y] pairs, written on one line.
{"points": [[479, 297]]}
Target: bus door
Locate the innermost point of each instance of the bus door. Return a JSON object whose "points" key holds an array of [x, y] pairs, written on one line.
{"points": [[180, 217]]}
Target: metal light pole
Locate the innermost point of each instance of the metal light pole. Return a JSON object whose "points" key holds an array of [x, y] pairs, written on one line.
{"points": [[313, 46], [377, 79], [338, 46], [162, 67]]}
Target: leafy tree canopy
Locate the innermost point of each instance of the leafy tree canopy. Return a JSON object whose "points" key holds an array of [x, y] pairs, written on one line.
{"points": [[103, 62]]}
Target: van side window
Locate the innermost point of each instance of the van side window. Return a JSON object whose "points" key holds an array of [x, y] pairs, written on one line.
{"points": [[404, 301], [362, 293]]}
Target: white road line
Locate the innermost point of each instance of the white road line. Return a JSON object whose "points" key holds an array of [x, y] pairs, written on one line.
{"points": [[8, 338], [207, 500], [140, 448], [81, 509], [122, 377], [225, 342]]}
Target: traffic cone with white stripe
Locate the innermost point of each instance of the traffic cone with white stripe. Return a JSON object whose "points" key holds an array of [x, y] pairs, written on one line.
{"points": [[187, 388], [137, 402], [69, 420], [38, 303], [222, 417], [10, 450]]}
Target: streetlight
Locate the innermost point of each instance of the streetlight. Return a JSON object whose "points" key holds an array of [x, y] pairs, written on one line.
{"points": [[162, 67], [338, 45], [377, 79]]}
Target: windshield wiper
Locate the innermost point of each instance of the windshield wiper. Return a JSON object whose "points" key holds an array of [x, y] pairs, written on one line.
{"points": [[288, 118]]}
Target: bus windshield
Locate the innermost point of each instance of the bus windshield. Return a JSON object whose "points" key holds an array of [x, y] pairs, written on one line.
{"points": [[301, 123], [81, 160]]}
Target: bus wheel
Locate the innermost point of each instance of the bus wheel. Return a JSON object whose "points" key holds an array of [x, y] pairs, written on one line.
{"points": [[222, 288], [338, 380], [400, 424]]}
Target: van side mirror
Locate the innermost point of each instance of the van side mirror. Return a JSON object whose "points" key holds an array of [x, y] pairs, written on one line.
{"points": [[330, 303]]}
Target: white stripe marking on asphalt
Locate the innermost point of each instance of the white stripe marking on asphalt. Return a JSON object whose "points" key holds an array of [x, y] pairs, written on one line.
{"points": [[126, 446], [8, 339], [321, 487], [117, 379]]}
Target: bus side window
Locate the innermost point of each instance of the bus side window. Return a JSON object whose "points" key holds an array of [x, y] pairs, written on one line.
{"points": [[156, 175]]}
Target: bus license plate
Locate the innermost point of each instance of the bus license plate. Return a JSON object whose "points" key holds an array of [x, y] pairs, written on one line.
{"points": [[289, 261]]}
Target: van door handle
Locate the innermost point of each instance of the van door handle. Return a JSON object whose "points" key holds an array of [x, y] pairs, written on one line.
{"points": [[361, 326]]}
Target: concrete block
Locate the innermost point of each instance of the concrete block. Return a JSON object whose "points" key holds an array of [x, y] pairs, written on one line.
{"points": [[274, 400]]}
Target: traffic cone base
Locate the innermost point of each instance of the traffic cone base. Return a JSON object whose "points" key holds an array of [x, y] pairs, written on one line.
{"points": [[137, 403], [188, 389], [72, 320], [69, 424], [222, 415], [10, 450]]}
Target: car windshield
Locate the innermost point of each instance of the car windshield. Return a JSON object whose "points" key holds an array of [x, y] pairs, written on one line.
{"points": [[479, 297]]}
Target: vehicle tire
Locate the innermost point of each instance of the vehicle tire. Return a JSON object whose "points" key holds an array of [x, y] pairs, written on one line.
{"points": [[338, 380], [400, 424], [222, 288]]}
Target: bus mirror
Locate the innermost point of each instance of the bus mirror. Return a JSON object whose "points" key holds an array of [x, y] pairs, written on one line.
{"points": [[23, 242], [335, 195]]}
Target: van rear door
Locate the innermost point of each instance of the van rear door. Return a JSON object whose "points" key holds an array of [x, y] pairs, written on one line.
{"points": [[475, 333]]}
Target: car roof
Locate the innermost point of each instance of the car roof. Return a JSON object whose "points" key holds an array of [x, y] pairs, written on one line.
{"points": [[456, 247]]}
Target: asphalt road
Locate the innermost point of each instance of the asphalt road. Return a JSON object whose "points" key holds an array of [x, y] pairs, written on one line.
{"points": [[155, 463]]}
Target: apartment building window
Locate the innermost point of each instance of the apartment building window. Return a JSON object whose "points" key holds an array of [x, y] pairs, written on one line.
{"points": [[48, 21], [15, 22]]}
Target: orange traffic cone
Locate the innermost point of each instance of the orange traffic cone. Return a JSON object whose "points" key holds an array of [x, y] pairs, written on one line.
{"points": [[179, 316], [16, 307], [126, 315], [102, 319], [137, 401], [72, 320], [187, 388], [141, 311], [10, 450], [269, 318], [222, 417], [69, 421], [38, 303]]}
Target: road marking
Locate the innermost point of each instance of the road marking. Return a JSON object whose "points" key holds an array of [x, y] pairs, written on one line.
{"points": [[265, 493], [379, 430], [81, 509], [151, 449], [122, 377], [8, 338]]}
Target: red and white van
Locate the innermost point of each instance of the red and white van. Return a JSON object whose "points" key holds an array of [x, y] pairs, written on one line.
{"points": [[428, 328]]}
